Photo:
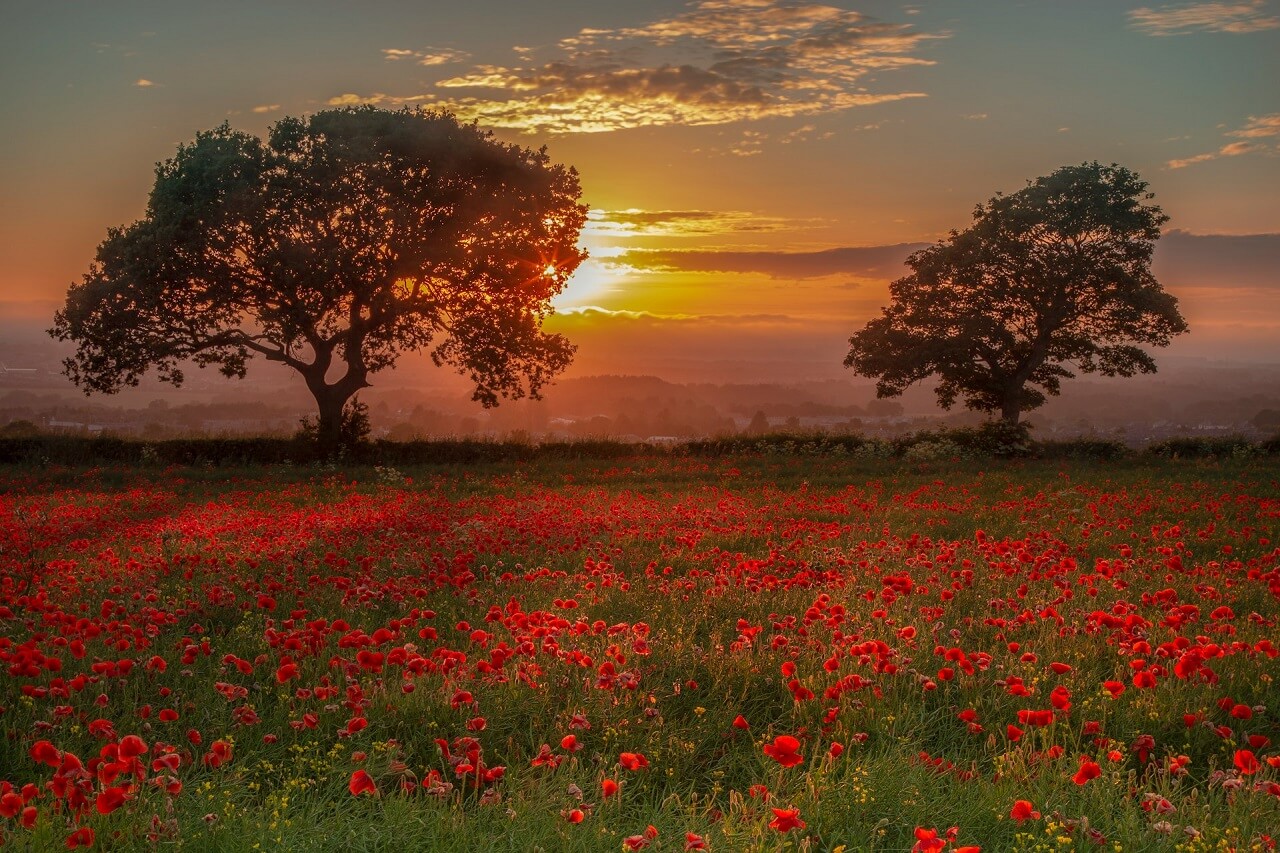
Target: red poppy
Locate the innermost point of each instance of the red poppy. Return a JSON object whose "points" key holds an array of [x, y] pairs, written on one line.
{"points": [[608, 788], [569, 743], [1089, 769], [740, 722], [10, 805], [693, 841], [784, 750], [927, 841], [82, 837], [219, 754], [785, 820], [575, 816], [633, 761], [361, 783], [1246, 762], [110, 799], [1023, 810], [45, 752]]}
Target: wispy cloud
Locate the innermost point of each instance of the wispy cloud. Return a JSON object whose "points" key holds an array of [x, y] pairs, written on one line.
{"points": [[595, 312], [634, 222], [266, 108], [719, 62], [1253, 138], [881, 262], [427, 56], [143, 83], [1248, 16]]}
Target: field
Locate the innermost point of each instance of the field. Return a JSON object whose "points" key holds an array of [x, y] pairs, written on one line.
{"points": [[751, 653]]}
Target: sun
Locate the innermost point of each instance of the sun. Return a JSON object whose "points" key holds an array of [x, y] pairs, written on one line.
{"points": [[589, 282]]}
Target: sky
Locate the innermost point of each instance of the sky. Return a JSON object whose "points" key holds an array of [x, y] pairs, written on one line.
{"points": [[756, 170]]}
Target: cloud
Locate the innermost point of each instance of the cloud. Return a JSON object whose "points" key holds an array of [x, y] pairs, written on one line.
{"points": [[722, 61], [1257, 128], [595, 312], [1224, 17], [266, 108], [1181, 259], [428, 56], [1248, 261], [634, 222], [883, 262], [143, 83], [351, 100]]}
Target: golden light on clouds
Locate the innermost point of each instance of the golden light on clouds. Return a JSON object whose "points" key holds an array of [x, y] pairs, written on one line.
{"points": [[1225, 17], [634, 222], [721, 61], [1254, 137]]}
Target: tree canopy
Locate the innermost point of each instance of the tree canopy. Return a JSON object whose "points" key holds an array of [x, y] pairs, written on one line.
{"points": [[1053, 278], [341, 241]]}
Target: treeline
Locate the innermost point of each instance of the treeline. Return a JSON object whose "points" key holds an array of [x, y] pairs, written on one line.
{"points": [[989, 441]]}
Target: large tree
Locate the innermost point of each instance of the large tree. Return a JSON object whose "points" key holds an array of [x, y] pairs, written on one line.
{"points": [[343, 240], [1053, 278]]}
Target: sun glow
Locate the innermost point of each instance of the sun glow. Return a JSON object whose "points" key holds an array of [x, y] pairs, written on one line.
{"points": [[589, 282]]}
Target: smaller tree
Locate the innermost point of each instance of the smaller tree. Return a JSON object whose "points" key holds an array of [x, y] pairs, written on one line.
{"points": [[1052, 277]]}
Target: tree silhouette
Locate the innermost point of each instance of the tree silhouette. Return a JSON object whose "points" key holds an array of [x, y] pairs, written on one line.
{"points": [[1054, 276], [343, 240]]}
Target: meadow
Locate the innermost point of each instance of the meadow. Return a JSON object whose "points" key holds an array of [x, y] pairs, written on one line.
{"points": [[754, 652]]}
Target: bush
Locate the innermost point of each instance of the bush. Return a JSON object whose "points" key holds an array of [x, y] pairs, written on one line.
{"points": [[1100, 449], [1203, 447]]}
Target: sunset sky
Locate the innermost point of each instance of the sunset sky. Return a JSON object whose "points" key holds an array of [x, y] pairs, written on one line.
{"points": [[756, 169]]}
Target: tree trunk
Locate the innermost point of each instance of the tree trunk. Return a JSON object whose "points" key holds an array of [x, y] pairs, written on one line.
{"points": [[1010, 411], [329, 403]]}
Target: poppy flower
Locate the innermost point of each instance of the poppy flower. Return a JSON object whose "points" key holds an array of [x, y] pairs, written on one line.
{"points": [[927, 841], [635, 842], [693, 841], [569, 743], [10, 805], [110, 799], [1089, 769], [44, 752], [1023, 810], [219, 754], [784, 750], [1246, 762], [361, 783], [633, 761], [82, 837], [575, 816], [132, 746], [740, 722], [785, 820]]}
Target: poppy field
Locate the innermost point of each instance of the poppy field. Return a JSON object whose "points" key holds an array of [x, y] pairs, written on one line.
{"points": [[665, 653]]}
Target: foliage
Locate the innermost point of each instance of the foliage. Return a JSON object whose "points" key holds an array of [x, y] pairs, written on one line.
{"points": [[1101, 449], [1204, 447], [1053, 276], [347, 237]]}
